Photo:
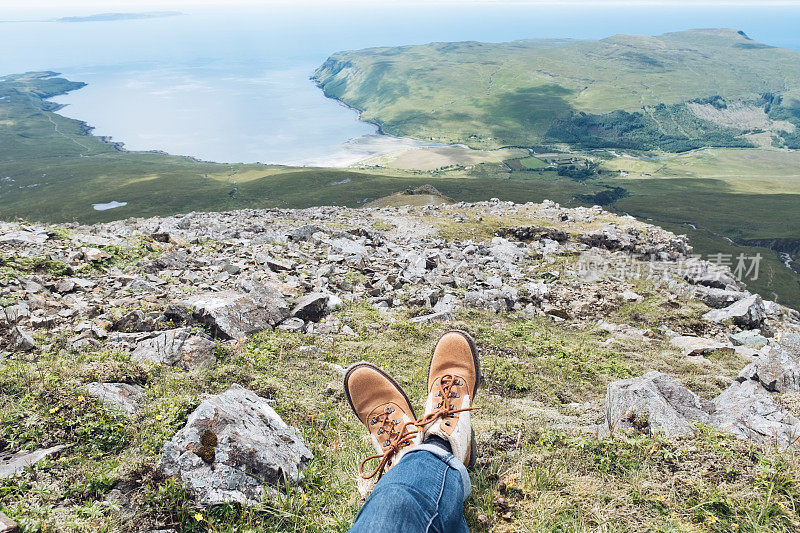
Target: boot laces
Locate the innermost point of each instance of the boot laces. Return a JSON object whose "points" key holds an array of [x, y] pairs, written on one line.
{"points": [[397, 439], [444, 409], [397, 436]]}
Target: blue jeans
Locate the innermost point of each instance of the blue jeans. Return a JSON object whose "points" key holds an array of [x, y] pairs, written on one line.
{"points": [[424, 492]]}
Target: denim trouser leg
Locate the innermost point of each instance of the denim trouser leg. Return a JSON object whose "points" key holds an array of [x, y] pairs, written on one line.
{"points": [[424, 492]]}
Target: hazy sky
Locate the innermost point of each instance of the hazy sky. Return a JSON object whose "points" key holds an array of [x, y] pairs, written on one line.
{"points": [[117, 5]]}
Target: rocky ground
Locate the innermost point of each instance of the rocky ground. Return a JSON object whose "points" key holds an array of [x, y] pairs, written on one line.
{"points": [[182, 373]]}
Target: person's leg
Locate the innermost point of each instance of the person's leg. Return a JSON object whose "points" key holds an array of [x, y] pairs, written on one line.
{"points": [[424, 492]]}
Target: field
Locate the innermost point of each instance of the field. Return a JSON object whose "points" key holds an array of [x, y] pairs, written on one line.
{"points": [[51, 170], [674, 92]]}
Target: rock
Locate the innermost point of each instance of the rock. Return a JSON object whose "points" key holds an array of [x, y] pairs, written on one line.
{"points": [[277, 265], [21, 340], [232, 269], [7, 525], [610, 237], [14, 313], [776, 371], [750, 338], [303, 233], [718, 298], [699, 346], [556, 311], [176, 347], [292, 325], [654, 402], [630, 296], [94, 254], [234, 315], [25, 236], [746, 313], [443, 315], [123, 396], [446, 303], [64, 285], [141, 285], [174, 260], [496, 300], [506, 251], [178, 314], [235, 448], [14, 463], [311, 306], [135, 321], [748, 411]]}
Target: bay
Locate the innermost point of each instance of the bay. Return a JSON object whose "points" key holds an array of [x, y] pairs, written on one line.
{"points": [[231, 84]]}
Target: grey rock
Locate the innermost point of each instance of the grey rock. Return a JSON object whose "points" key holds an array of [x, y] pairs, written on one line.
{"points": [[506, 251], [278, 265], [123, 396], [718, 298], [443, 315], [232, 269], [748, 411], [174, 260], [135, 321], [17, 462], [292, 325], [668, 407], [14, 313], [776, 371], [749, 338], [36, 236], [303, 233], [311, 306], [247, 450], [7, 525], [234, 315], [176, 347], [21, 340], [64, 285], [699, 346], [746, 313]]}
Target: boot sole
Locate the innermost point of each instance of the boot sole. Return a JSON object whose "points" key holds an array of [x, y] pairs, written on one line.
{"points": [[362, 364]]}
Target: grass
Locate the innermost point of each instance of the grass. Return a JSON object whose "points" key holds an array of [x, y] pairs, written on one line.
{"points": [[530, 476], [523, 93]]}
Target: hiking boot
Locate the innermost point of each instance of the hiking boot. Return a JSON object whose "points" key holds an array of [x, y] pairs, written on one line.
{"points": [[383, 407], [453, 378]]}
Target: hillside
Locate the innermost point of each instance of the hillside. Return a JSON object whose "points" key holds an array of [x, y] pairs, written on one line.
{"points": [[672, 92], [118, 337]]}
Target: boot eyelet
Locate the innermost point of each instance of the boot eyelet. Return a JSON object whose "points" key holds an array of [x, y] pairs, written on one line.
{"points": [[447, 423]]}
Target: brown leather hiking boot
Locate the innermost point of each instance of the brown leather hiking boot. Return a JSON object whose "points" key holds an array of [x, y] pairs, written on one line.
{"points": [[383, 407], [453, 379]]}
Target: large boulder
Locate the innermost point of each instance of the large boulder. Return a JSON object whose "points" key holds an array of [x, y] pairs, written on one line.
{"points": [[750, 412], [122, 396], [747, 313], [235, 448], [654, 402], [776, 371], [234, 315], [176, 347]]}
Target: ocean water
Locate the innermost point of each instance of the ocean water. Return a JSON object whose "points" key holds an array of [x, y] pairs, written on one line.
{"points": [[232, 84]]}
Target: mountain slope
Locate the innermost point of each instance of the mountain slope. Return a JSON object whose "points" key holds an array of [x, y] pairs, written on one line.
{"points": [[670, 92]]}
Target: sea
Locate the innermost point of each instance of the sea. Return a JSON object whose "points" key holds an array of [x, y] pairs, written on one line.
{"points": [[232, 83]]}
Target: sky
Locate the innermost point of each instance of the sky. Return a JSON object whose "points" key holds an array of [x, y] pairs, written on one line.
{"points": [[139, 5]]}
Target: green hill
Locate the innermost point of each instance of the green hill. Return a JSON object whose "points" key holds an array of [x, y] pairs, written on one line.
{"points": [[675, 92]]}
